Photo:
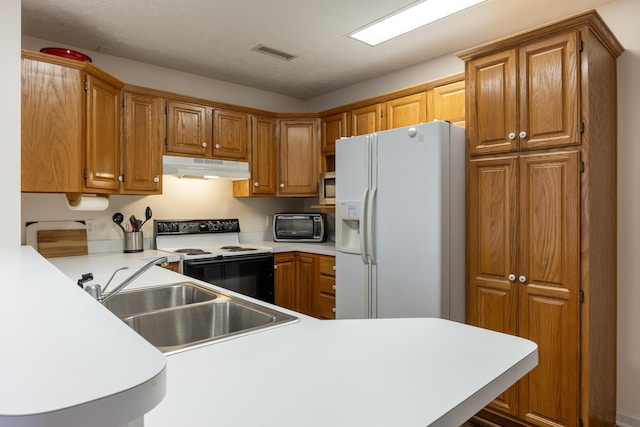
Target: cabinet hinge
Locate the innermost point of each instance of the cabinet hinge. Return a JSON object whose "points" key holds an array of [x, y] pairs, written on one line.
{"points": [[381, 113], [581, 295], [123, 103], [581, 166], [86, 85], [166, 110], [580, 46], [86, 174], [581, 127], [580, 423], [166, 141]]}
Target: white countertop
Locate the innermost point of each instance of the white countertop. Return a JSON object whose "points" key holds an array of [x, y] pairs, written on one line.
{"points": [[400, 372], [65, 360]]}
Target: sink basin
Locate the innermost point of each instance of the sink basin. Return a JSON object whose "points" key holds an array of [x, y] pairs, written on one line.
{"points": [[185, 315], [138, 301]]}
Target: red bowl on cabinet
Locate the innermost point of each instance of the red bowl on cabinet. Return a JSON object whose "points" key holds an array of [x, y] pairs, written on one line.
{"points": [[66, 53]]}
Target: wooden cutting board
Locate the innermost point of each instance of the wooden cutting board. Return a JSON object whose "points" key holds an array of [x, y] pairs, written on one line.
{"points": [[58, 243]]}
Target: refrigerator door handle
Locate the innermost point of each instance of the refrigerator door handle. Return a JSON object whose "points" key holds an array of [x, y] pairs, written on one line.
{"points": [[371, 252], [363, 227]]}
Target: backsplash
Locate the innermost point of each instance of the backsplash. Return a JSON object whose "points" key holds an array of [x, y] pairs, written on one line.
{"points": [[182, 198]]}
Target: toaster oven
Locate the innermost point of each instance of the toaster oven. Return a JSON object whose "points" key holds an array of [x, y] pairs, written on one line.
{"points": [[288, 227]]}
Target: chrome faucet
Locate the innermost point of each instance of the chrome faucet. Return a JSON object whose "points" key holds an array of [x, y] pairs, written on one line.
{"points": [[101, 295]]}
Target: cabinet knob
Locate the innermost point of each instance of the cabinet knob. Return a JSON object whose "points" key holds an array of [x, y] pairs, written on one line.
{"points": [[275, 266], [512, 277], [522, 279], [121, 178], [282, 185], [512, 136], [334, 268], [256, 184], [156, 179], [522, 135], [333, 309], [334, 287], [217, 145], [204, 144]]}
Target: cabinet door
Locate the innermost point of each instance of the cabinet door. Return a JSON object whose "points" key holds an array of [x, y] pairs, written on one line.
{"points": [[230, 135], [367, 120], [52, 128], [103, 130], [299, 148], [333, 127], [406, 111], [492, 253], [549, 278], [284, 280], [325, 293], [187, 129], [144, 129], [549, 93], [446, 102], [491, 102], [305, 274], [263, 156]]}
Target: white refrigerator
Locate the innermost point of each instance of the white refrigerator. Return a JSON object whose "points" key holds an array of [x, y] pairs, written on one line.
{"points": [[400, 226]]}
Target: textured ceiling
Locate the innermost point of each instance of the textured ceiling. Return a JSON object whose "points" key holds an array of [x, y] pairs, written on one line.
{"points": [[215, 38]]}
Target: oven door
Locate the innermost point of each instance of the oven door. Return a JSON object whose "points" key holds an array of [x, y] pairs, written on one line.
{"points": [[250, 275]]}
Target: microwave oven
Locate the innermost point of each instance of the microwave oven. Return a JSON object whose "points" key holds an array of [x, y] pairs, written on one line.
{"points": [[327, 188], [289, 227]]}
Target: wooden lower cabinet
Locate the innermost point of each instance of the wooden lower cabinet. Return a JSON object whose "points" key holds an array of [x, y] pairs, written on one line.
{"points": [[305, 282]]}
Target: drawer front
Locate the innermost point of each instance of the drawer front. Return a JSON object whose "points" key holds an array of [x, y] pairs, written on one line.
{"points": [[327, 306], [327, 265], [326, 284]]}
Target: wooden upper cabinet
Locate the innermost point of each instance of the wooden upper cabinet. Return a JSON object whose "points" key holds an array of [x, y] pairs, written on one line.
{"points": [[52, 130], [263, 156], [367, 119], [538, 110], [334, 127], [447, 102], [491, 88], [549, 92], [298, 162], [230, 135], [406, 111], [144, 131], [188, 130]]}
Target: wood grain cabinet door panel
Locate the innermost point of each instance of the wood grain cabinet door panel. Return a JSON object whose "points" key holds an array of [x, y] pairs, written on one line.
{"points": [[492, 253], [549, 272], [143, 138], [187, 129], [549, 93], [492, 100], [103, 118], [406, 111], [230, 135], [263, 156]]}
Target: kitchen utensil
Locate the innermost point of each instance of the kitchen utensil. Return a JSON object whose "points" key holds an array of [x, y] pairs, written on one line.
{"points": [[147, 216], [134, 223], [118, 218]]}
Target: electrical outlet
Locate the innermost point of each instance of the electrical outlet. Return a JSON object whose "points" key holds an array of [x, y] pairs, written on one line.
{"points": [[91, 226]]}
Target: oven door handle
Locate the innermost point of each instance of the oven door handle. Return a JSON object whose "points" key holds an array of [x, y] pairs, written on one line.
{"points": [[223, 259]]}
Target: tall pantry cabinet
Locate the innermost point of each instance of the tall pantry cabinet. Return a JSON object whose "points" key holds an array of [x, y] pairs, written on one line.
{"points": [[541, 215]]}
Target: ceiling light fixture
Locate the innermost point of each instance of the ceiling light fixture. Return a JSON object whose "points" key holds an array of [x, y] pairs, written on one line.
{"points": [[410, 18]]}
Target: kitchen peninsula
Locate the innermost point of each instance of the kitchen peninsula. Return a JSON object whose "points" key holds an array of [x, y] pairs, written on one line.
{"points": [[401, 372]]}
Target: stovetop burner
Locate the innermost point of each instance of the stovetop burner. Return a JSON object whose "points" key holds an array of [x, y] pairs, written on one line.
{"points": [[192, 251], [237, 248]]}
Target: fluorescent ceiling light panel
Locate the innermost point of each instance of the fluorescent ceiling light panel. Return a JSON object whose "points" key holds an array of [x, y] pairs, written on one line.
{"points": [[409, 19]]}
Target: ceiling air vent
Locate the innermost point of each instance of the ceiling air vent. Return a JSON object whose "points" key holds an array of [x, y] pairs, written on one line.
{"points": [[273, 52]]}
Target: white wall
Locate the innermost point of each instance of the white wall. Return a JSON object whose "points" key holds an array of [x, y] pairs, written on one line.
{"points": [[10, 122]]}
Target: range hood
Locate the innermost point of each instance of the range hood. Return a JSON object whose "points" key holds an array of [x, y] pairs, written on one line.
{"points": [[204, 168]]}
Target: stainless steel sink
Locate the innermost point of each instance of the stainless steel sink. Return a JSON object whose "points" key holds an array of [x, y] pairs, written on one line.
{"points": [[138, 301], [184, 315]]}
